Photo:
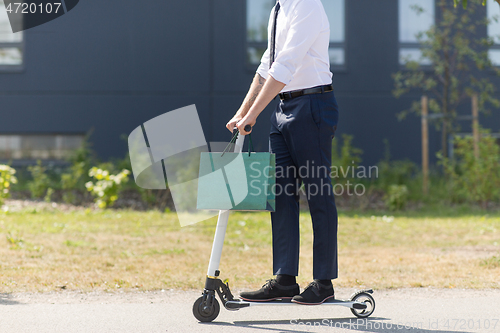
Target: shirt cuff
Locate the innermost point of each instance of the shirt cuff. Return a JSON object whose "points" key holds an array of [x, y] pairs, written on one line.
{"points": [[281, 73], [263, 70]]}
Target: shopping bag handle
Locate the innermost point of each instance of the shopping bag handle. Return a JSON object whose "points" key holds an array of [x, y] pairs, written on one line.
{"points": [[247, 129]]}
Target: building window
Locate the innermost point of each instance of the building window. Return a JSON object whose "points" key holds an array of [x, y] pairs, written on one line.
{"points": [[11, 44], [493, 9], [335, 10], [43, 146], [258, 12], [415, 17]]}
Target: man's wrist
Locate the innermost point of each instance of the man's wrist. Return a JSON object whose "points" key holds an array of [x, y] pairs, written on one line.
{"points": [[241, 113], [251, 114]]}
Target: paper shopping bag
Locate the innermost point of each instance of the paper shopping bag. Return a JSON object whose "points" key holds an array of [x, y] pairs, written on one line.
{"points": [[237, 181]]}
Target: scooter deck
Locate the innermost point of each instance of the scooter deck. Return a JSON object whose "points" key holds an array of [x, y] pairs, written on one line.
{"points": [[237, 304]]}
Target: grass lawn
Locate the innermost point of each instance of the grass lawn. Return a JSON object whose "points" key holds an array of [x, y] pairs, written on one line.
{"points": [[113, 249]]}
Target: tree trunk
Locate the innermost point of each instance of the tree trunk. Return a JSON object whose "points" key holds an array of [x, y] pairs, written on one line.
{"points": [[445, 122], [444, 134]]}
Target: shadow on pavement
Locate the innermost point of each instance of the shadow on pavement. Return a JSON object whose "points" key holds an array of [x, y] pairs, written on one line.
{"points": [[6, 299], [372, 324]]}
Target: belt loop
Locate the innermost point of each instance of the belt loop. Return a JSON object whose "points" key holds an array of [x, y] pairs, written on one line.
{"points": [[322, 89]]}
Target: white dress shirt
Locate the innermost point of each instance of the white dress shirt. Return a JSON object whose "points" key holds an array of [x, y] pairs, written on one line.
{"points": [[302, 40]]}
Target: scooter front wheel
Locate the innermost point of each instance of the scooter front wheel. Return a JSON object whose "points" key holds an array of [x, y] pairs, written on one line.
{"points": [[368, 300], [204, 312]]}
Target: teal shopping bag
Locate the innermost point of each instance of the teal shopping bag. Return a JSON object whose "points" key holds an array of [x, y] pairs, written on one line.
{"points": [[237, 181]]}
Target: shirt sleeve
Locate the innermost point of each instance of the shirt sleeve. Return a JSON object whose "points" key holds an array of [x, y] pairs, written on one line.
{"points": [[263, 69], [305, 27]]}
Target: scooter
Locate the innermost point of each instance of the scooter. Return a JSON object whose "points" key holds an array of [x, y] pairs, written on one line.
{"points": [[207, 308]]}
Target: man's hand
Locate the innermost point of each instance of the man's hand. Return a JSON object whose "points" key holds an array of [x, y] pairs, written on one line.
{"points": [[247, 120], [253, 92], [269, 91], [232, 123], [257, 99]]}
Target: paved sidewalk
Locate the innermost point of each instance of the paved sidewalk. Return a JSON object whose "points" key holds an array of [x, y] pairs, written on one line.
{"points": [[404, 310]]}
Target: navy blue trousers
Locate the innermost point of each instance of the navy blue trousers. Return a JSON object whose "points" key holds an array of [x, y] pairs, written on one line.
{"points": [[302, 130]]}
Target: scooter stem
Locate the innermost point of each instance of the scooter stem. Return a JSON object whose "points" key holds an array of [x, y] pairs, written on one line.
{"points": [[220, 230]]}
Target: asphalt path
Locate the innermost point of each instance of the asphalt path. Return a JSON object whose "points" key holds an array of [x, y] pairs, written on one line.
{"points": [[400, 310]]}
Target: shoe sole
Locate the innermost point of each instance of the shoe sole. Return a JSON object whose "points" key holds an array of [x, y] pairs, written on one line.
{"points": [[304, 303], [264, 300]]}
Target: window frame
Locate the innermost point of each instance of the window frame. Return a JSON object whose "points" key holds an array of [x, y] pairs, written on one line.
{"points": [[496, 38], [411, 45], [19, 45], [342, 45], [14, 68], [53, 151]]}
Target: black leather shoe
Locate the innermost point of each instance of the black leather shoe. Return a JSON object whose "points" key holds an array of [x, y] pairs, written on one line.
{"points": [[270, 291], [315, 293]]}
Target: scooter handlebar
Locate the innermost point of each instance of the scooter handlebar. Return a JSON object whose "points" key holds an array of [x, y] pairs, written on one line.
{"points": [[247, 129]]}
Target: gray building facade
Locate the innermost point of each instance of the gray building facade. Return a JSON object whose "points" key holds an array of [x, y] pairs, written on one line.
{"points": [[112, 65]]}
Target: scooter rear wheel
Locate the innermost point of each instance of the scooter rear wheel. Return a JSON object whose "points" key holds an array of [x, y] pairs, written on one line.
{"points": [[205, 313]]}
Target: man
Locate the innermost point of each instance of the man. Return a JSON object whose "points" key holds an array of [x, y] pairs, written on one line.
{"points": [[302, 128]]}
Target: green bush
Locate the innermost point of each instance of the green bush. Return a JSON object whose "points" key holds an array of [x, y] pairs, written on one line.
{"points": [[396, 197], [73, 181], [48, 195], [398, 172], [398, 180], [76, 176], [40, 180], [394, 172], [106, 187], [7, 178], [470, 179], [344, 160], [84, 154]]}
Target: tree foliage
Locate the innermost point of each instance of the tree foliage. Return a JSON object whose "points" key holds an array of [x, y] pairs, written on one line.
{"points": [[459, 57], [464, 2], [474, 179]]}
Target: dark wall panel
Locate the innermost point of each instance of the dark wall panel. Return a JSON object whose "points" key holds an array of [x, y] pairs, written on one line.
{"points": [[371, 119], [231, 72], [118, 45], [110, 116], [372, 46], [113, 65]]}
